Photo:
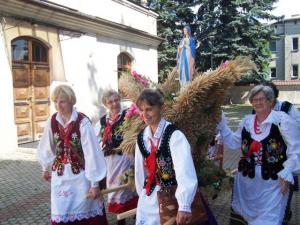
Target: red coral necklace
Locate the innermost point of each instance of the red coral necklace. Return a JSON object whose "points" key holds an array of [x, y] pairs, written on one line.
{"points": [[256, 126]]}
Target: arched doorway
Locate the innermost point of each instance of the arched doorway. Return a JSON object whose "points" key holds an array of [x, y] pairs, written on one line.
{"points": [[30, 70], [124, 62]]}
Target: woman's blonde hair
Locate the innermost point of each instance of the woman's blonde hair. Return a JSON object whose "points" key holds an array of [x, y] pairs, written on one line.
{"points": [[109, 93], [65, 91]]}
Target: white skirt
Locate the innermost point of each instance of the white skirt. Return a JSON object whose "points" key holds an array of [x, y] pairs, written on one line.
{"points": [[116, 166], [147, 209], [68, 197], [259, 201]]}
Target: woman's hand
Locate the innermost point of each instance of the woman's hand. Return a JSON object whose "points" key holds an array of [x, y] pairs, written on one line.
{"points": [[183, 217], [94, 193], [222, 124], [46, 175], [284, 185]]}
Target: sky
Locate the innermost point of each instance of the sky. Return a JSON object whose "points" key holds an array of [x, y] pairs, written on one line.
{"points": [[287, 8]]}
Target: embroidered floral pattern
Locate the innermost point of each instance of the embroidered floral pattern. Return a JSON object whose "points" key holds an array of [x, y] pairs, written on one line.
{"points": [[65, 194], [68, 146], [56, 136], [74, 137], [165, 167], [141, 222], [71, 217], [162, 163], [275, 151], [244, 147]]}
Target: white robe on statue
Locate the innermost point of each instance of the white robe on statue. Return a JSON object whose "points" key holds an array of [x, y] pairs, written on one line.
{"points": [[147, 210], [260, 201], [68, 192]]}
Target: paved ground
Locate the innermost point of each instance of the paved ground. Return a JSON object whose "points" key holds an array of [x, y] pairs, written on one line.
{"points": [[24, 197]]}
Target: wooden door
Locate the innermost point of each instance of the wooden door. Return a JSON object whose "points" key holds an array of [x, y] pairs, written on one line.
{"points": [[31, 87]]}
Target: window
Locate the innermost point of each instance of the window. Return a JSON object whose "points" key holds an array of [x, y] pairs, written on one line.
{"points": [[273, 46], [124, 65], [295, 71], [273, 73], [39, 52], [295, 44], [20, 50], [28, 49]]}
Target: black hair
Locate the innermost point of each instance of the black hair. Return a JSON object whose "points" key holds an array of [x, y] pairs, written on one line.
{"points": [[273, 86], [153, 97]]}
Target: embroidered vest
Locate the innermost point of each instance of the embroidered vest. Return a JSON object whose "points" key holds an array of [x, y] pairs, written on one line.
{"points": [[165, 174], [68, 147], [116, 138], [273, 155]]}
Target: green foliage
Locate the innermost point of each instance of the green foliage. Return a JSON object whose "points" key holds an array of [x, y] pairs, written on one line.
{"points": [[225, 29], [229, 28], [209, 174]]}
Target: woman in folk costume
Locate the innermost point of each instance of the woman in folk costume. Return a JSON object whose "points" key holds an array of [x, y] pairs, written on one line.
{"points": [[186, 54], [162, 158], [270, 145], [73, 162], [117, 163], [293, 112]]}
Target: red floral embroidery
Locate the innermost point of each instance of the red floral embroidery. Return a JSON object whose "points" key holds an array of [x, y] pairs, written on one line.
{"points": [[254, 148]]}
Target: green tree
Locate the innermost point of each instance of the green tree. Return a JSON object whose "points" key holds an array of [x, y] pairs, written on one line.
{"points": [[229, 28]]}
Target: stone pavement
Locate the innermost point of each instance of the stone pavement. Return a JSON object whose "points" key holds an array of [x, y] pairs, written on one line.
{"points": [[25, 198]]}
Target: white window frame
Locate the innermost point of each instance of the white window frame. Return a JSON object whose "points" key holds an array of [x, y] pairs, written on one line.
{"points": [[292, 74], [293, 49], [275, 46]]}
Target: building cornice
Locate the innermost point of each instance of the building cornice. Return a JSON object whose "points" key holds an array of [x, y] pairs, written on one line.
{"points": [[67, 18], [137, 7], [286, 20]]}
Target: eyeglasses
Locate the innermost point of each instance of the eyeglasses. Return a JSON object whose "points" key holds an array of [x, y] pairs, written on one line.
{"points": [[113, 101], [263, 99]]}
